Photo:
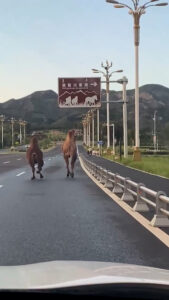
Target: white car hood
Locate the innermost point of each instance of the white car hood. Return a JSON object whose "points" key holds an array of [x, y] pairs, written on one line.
{"points": [[59, 274]]}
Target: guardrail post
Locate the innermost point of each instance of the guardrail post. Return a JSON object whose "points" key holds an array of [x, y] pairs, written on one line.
{"points": [[127, 196], [96, 171], [102, 177], [159, 219], [117, 189], [140, 205], [93, 169], [108, 184]]}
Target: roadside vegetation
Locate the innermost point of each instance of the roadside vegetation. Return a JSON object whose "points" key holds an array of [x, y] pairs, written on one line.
{"points": [[47, 139], [153, 164]]}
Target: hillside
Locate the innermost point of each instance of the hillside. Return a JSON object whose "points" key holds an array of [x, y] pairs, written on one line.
{"points": [[41, 110]]}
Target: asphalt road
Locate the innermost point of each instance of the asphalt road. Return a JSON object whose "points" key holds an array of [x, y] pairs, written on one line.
{"points": [[153, 182], [59, 218], [13, 161]]}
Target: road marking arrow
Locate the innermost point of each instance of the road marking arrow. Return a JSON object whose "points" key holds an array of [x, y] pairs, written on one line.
{"points": [[94, 84]]}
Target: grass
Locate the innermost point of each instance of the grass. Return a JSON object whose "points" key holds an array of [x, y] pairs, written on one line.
{"points": [[158, 165]]}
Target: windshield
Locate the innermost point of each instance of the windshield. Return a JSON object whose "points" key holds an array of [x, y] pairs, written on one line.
{"points": [[84, 132]]}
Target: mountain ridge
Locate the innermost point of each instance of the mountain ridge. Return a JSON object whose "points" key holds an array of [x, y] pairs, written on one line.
{"points": [[41, 109]]}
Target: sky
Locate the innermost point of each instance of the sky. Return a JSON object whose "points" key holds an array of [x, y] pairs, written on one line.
{"points": [[41, 40]]}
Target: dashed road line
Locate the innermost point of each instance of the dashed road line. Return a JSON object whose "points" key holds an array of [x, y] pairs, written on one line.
{"points": [[6, 162], [1, 186], [20, 174], [19, 158]]}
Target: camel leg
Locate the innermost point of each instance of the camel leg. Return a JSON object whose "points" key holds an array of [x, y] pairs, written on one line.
{"points": [[39, 170], [33, 172], [74, 157], [67, 164]]}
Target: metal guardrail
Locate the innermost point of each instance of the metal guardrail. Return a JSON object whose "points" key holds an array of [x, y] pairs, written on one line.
{"points": [[132, 191]]}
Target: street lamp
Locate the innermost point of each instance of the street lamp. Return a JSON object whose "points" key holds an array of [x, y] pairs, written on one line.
{"points": [[92, 117], [124, 82], [24, 126], [107, 74], [98, 126], [137, 11], [113, 126], [88, 129], [20, 133], [2, 119], [12, 123], [155, 131]]}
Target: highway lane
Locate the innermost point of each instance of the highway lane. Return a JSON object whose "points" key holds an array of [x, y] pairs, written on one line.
{"points": [[59, 218], [13, 161]]}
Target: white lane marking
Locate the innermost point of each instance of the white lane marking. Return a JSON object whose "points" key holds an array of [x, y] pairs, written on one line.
{"points": [[160, 234], [49, 158], [1, 186], [20, 174], [6, 162], [19, 158]]}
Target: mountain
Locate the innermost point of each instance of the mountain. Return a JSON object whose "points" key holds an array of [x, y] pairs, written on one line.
{"points": [[40, 110]]}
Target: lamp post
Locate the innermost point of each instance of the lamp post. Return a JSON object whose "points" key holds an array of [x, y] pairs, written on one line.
{"points": [[98, 125], [2, 119], [107, 75], [12, 123], [92, 117], [124, 82], [86, 126], [83, 131], [24, 132], [155, 131], [113, 126], [88, 120], [20, 133], [137, 11], [87, 131]]}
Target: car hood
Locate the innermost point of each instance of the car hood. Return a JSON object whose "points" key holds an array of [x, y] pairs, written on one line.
{"points": [[60, 274]]}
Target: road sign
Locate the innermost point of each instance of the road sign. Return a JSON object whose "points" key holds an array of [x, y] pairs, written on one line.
{"points": [[100, 142], [79, 92]]}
